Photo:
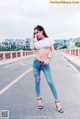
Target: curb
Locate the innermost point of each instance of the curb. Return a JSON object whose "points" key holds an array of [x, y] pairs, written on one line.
{"points": [[71, 61], [4, 63]]}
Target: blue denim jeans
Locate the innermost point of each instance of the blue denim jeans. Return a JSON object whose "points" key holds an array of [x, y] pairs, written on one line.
{"points": [[37, 67]]}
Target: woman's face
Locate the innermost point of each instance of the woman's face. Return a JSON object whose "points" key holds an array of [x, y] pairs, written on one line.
{"points": [[38, 34]]}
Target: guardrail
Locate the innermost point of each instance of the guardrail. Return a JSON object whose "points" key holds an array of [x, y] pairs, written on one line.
{"points": [[15, 54], [74, 51]]}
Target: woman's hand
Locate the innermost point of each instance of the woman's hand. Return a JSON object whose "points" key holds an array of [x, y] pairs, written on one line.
{"points": [[33, 36], [46, 62]]}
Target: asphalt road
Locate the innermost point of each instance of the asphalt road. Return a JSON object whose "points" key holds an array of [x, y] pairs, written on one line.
{"points": [[17, 93]]}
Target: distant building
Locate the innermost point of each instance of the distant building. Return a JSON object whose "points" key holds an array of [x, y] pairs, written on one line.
{"points": [[2, 46], [8, 43], [20, 43], [28, 40]]}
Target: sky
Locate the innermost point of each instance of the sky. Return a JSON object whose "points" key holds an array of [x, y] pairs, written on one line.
{"points": [[19, 17]]}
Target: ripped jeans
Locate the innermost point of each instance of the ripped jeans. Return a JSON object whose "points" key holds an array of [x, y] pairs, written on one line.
{"points": [[37, 67]]}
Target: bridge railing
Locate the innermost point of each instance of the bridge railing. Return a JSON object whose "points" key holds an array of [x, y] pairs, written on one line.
{"points": [[5, 55], [73, 51]]}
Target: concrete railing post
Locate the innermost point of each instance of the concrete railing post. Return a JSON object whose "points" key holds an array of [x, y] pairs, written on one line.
{"points": [[15, 54]]}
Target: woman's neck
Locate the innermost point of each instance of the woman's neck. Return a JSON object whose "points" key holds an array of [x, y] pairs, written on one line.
{"points": [[43, 37]]}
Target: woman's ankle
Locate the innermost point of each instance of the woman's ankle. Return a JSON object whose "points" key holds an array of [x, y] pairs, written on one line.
{"points": [[56, 101], [39, 98]]}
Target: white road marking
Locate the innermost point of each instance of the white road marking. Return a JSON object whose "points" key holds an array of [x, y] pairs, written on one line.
{"points": [[25, 63], [22, 63], [73, 67], [14, 81]]}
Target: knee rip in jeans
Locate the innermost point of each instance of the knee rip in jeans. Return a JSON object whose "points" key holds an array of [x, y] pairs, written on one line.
{"points": [[38, 78]]}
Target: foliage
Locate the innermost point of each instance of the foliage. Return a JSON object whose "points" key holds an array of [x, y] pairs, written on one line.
{"points": [[77, 44]]}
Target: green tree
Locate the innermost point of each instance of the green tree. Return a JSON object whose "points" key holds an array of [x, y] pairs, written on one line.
{"points": [[77, 44]]}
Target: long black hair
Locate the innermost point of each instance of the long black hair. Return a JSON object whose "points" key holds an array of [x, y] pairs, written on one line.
{"points": [[40, 28]]}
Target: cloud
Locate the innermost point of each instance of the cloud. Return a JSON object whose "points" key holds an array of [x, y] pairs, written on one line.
{"points": [[19, 17]]}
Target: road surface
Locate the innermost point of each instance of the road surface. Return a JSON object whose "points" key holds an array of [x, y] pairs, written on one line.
{"points": [[17, 93]]}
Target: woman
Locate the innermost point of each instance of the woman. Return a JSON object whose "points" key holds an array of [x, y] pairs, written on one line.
{"points": [[41, 62]]}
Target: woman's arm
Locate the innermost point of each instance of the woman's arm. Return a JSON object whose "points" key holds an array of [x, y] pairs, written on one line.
{"points": [[50, 55], [32, 46]]}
